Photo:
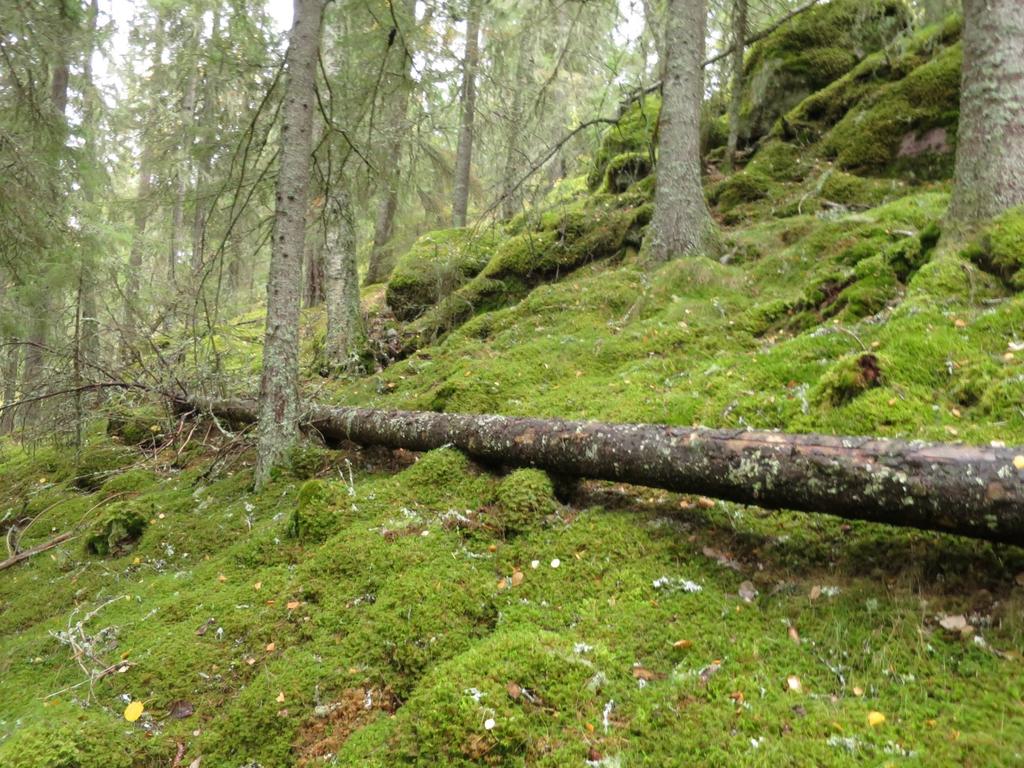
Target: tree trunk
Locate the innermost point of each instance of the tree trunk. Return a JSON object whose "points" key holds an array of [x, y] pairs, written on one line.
{"points": [[514, 152], [206, 147], [739, 35], [341, 286], [990, 142], [130, 319], [397, 108], [187, 117], [90, 336], [464, 153], [972, 491], [279, 383], [12, 361], [313, 293], [681, 223]]}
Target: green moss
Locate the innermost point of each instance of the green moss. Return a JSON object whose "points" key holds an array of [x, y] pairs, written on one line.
{"points": [[130, 481], [847, 189], [634, 133], [117, 531], [525, 498], [1000, 248], [319, 511], [874, 285], [811, 51], [79, 742], [137, 426], [625, 170], [848, 378], [437, 264], [98, 463], [907, 125], [742, 187]]}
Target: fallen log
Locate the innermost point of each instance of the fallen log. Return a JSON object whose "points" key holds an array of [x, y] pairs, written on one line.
{"points": [[968, 490]]}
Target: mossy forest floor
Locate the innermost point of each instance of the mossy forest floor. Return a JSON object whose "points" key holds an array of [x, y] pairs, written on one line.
{"points": [[377, 609]]}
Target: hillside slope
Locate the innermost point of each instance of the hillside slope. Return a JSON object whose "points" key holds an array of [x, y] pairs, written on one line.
{"points": [[377, 609]]}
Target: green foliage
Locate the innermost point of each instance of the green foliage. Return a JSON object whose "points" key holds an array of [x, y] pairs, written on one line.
{"points": [[318, 511], [525, 498], [98, 464]]}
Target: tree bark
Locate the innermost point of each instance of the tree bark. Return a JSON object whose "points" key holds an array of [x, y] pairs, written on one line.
{"points": [[515, 155], [989, 174], [739, 35], [681, 223], [464, 153], [278, 424], [130, 317], [12, 362], [341, 285], [396, 110], [966, 490], [187, 117]]}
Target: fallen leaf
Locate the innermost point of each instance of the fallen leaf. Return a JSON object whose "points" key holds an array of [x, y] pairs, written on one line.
{"points": [[858, 691], [133, 711], [258, 586], [737, 696], [815, 592], [250, 661], [747, 591], [1018, 462], [271, 647], [1020, 579], [875, 719], [280, 697], [683, 644], [589, 727], [705, 503], [514, 690], [222, 578], [794, 635], [517, 577], [793, 684], [594, 756], [201, 630], [642, 673], [195, 763], [709, 671], [291, 605], [721, 558]]}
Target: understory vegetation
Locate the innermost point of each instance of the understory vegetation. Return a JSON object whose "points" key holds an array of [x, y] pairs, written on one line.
{"points": [[375, 608]]}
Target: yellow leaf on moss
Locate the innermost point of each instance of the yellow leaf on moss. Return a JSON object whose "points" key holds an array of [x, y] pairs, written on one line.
{"points": [[875, 719], [133, 711]]}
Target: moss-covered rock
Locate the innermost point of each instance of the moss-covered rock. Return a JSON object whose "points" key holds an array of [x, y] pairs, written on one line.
{"points": [[525, 498], [625, 170], [811, 51], [633, 133], [848, 378], [137, 426], [999, 249], [906, 125], [437, 264], [116, 531]]}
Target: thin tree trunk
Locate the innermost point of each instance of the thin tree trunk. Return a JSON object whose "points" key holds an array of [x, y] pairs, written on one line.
{"points": [[681, 223], [990, 140], [130, 319], [464, 153], [966, 490], [341, 286], [739, 34], [89, 349], [204, 151], [397, 109], [279, 383], [187, 117], [12, 362], [314, 267], [514, 154]]}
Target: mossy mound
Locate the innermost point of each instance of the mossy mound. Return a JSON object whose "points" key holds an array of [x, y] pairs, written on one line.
{"points": [[436, 264], [319, 511], [525, 498], [116, 532], [98, 464], [633, 134], [78, 742], [141, 426], [443, 475], [811, 51], [489, 705], [999, 249]]}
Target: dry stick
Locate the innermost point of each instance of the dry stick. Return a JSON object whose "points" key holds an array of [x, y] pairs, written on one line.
{"points": [[35, 550], [967, 490]]}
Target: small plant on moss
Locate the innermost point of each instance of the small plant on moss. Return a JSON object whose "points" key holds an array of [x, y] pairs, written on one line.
{"points": [[525, 498], [1000, 248], [848, 378]]}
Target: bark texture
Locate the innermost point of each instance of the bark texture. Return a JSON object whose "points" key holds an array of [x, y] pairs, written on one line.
{"points": [[464, 153], [739, 35], [341, 285], [966, 490], [681, 223], [279, 383], [990, 143]]}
